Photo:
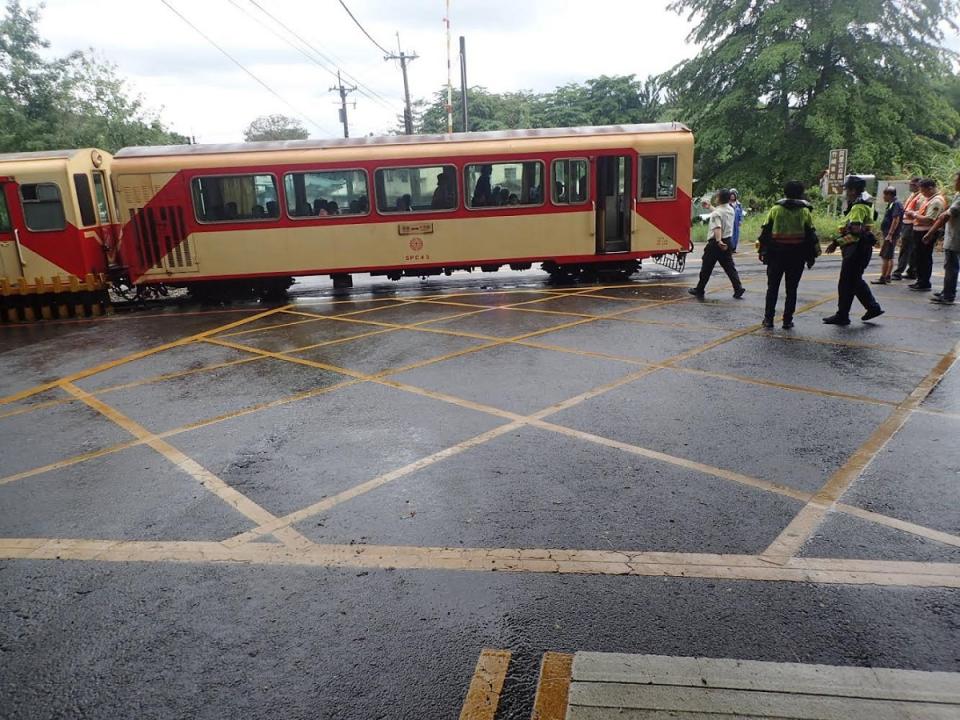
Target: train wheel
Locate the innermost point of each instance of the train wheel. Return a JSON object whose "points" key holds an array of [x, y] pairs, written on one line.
{"points": [[561, 274], [274, 289]]}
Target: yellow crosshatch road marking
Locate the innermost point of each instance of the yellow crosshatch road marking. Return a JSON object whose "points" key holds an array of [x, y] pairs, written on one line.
{"points": [[73, 377], [439, 396], [276, 524], [135, 383], [525, 560], [536, 419], [483, 695], [856, 572], [207, 479], [846, 343], [802, 527], [83, 457]]}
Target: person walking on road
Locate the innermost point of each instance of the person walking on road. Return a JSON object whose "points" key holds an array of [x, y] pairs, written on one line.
{"points": [[951, 247], [926, 215], [905, 260], [737, 218], [856, 247], [788, 240], [720, 233], [890, 229]]}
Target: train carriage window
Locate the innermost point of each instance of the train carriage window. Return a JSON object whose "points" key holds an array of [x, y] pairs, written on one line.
{"points": [[570, 182], [416, 189], [504, 184], [658, 177], [42, 207], [4, 212], [84, 199], [103, 209], [326, 193], [235, 198]]}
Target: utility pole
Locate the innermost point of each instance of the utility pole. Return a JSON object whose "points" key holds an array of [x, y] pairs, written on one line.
{"points": [[449, 76], [343, 90], [404, 59], [463, 82]]}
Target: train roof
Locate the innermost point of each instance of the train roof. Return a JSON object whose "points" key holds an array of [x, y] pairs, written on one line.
{"points": [[39, 155], [384, 140]]}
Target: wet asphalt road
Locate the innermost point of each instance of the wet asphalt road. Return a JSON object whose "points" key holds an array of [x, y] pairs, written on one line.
{"points": [[475, 413]]}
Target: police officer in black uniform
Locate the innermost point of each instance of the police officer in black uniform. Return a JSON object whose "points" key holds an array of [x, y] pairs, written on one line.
{"points": [[856, 245]]}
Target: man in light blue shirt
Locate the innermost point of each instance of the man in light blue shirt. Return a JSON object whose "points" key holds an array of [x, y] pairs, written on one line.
{"points": [[737, 218]]}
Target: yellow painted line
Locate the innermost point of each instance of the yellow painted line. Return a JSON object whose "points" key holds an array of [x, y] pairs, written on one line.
{"points": [[73, 377], [275, 524], [35, 406], [805, 389], [483, 696], [802, 527], [582, 353], [136, 383], [339, 341], [67, 462], [266, 328], [313, 317], [520, 560], [286, 358], [553, 687], [207, 479], [916, 318], [799, 336], [174, 375], [259, 407], [729, 475], [83, 457], [897, 524], [938, 413]]}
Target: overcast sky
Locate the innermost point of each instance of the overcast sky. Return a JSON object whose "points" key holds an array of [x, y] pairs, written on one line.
{"points": [[512, 45]]}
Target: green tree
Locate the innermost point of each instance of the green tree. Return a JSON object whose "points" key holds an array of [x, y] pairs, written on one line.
{"points": [[606, 100], [275, 127], [486, 111], [104, 113], [778, 83], [76, 101]]}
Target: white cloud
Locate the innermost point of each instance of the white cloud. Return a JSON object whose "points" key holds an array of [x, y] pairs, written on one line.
{"points": [[532, 45]]}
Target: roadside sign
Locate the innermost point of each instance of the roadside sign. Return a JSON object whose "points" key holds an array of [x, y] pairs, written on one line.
{"points": [[836, 171]]}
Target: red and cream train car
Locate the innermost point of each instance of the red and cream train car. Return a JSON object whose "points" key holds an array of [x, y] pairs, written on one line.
{"points": [[252, 216], [56, 231]]}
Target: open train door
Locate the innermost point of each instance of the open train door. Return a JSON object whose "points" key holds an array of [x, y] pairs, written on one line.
{"points": [[12, 265], [614, 205]]}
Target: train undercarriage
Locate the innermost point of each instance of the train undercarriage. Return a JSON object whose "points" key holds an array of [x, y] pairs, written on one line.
{"points": [[95, 295]]}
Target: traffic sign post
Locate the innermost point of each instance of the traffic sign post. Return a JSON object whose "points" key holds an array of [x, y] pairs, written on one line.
{"points": [[836, 171]]}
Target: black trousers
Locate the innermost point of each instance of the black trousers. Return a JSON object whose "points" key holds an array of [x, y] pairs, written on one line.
{"points": [[923, 257], [712, 254], [783, 261], [856, 257], [905, 260]]}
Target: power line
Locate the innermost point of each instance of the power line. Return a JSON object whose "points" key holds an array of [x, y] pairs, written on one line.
{"points": [[248, 72], [307, 55], [363, 29], [363, 89]]}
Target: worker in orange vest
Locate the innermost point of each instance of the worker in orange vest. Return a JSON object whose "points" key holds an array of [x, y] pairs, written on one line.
{"points": [[905, 260]]}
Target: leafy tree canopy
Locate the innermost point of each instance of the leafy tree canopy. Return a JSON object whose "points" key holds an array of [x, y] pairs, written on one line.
{"points": [[76, 101], [275, 127], [778, 83], [606, 100]]}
